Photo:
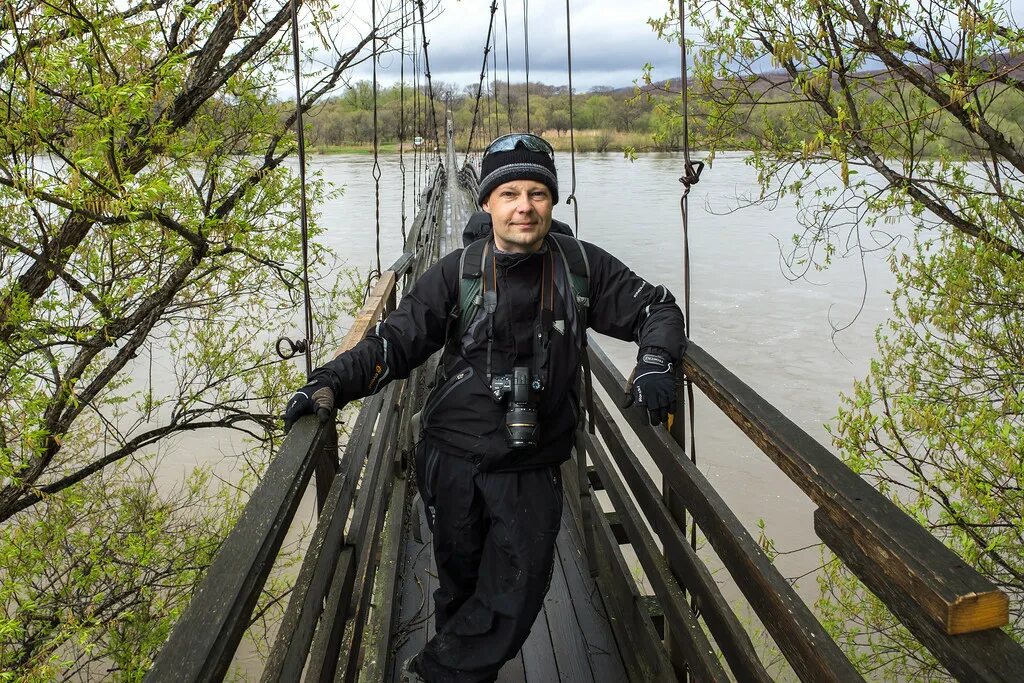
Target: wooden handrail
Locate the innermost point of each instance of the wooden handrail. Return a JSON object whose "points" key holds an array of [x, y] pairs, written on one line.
{"points": [[728, 632], [813, 655], [204, 640], [697, 650], [956, 597]]}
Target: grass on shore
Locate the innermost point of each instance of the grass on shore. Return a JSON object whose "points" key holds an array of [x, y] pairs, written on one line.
{"points": [[586, 141]]}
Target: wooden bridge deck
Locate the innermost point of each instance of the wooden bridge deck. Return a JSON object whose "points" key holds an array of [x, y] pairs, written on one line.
{"points": [[571, 640]]}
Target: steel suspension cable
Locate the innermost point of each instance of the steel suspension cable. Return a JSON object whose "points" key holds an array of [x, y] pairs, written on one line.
{"points": [[571, 199], [508, 71], [430, 82], [690, 177], [480, 85], [401, 118], [494, 70], [415, 109], [376, 140], [303, 222], [526, 55]]}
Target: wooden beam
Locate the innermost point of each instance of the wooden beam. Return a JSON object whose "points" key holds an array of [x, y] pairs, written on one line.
{"points": [[696, 649], [203, 641], [323, 655], [371, 312], [723, 624], [813, 655], [305, 606], [956, 597], [639, 642], [378, 632], [990, 656]]}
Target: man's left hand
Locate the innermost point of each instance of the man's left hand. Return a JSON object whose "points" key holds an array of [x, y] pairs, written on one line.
{"points": [[654, 385]]}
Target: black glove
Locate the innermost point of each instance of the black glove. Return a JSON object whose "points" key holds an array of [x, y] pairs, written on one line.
{"points": [[316, 397], [654, 385]]}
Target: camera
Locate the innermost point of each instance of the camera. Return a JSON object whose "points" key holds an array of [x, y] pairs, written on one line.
{"points": [[522, 388]]}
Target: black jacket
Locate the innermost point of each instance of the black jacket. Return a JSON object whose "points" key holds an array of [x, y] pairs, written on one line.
{"points": [[460, 414]]}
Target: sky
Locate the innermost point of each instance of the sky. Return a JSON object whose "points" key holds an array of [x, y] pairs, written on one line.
{"points": [[611, 42]]}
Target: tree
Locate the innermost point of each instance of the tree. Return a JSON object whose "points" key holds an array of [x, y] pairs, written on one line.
{"points": [[882, 109], [147, 212]]}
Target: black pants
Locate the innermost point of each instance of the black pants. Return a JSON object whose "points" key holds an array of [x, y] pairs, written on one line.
{"points": [[494, 546]]}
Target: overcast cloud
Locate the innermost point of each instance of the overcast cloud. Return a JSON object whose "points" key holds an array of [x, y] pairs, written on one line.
{"points": [[611, 41]]}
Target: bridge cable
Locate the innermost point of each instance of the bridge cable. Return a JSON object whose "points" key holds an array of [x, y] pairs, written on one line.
{"points": [[508, 73], [306, 344], [690, 177], [430, 82], [480, 85], [571, 199], [401, 119], [526, 55], [415, 109], [494, 70], [376, 148]]}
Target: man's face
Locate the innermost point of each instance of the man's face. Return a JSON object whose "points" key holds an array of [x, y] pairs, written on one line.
{"points": [[521, 215]]}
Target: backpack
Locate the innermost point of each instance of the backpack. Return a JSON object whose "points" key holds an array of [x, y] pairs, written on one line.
{"points": [[472, 266]]}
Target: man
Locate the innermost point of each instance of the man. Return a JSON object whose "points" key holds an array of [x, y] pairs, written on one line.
{"points": [[506, 401]]}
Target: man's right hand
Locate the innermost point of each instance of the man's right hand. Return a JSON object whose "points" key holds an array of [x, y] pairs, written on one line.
{"points": [[316, 397]]}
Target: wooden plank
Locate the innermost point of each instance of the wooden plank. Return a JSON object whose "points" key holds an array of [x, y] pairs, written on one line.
{"points": [[538, 654], [295, 633], [432, 585], [304, 606], [378, 631], [954, 595], [370, 314], [513, 671], [203, 642], [990, 656], [364, 532], [813, 655], [644, 656], [323, 655], [415, 602], [699, 654], [723, 624], [570, 649], [605, 659]]}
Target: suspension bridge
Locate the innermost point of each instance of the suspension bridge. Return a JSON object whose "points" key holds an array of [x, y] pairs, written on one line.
{"points": [[361, 603]]}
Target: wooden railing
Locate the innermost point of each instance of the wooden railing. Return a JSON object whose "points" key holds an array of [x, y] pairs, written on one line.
{"points": [[927, 586], [319, 636]]}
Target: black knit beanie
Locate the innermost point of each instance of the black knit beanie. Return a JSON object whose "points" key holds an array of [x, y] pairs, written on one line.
{"points": [[518, 164]]}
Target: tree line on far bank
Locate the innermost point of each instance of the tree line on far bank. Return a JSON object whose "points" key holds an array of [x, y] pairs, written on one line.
{"points": [[644, 117]]}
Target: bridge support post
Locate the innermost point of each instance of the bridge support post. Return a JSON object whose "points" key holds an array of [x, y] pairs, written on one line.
{"points": [[326, 466], [676, 507]]}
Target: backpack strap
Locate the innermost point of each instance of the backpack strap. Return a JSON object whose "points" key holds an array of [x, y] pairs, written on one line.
{"points": [[578, 266], [575, 258], [472, 266]]}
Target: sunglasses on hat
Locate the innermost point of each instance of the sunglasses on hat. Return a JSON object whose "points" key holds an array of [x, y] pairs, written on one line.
{"points": [[507, 143]]}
